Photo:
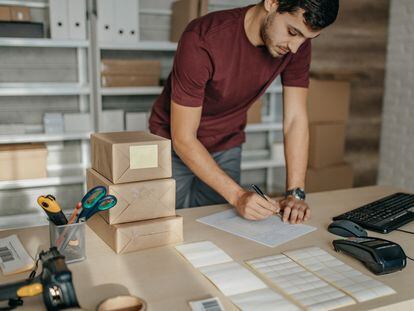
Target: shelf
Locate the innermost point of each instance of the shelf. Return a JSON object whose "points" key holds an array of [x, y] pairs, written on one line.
{"points": [[258, 164], [141, 46], [142, 90], [29, 4], [31, 138], [264, 127], [43, 42], [23, 221], [42, 89], [42, 182]]}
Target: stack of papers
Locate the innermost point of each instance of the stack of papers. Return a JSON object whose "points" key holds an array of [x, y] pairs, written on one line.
{"points": [[13, 256]]}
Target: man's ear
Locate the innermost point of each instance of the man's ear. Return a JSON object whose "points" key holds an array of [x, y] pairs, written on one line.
{"points": [[270, 5]]}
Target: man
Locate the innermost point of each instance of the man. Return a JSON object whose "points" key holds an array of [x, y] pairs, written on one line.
{"points": [[224, 62]]}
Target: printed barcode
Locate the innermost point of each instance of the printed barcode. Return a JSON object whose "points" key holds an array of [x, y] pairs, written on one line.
{"points": [[211, 305], [5, 254]]}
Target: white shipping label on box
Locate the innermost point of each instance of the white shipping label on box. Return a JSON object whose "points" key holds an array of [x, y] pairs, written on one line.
{"points": [[145, 156], [77, 19], [58, 14]]}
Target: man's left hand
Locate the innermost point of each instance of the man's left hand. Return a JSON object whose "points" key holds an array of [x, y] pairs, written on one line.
{"points": [[294, 210]]}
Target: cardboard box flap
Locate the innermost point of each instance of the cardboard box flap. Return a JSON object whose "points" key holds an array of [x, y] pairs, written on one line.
{"points": [[128, 137]]}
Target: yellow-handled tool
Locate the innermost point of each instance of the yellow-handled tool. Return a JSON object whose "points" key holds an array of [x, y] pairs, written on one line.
{"points": [[52, 209]]}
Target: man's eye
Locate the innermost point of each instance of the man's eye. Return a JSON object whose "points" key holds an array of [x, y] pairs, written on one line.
{"points": [[292, 32]]}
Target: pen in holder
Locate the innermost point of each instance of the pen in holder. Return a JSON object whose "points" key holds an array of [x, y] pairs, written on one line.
{"points": [[69, 240]]}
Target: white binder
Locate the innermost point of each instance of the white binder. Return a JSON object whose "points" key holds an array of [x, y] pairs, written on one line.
{"points": [[59, 28], [77, 19], [106, 17], [126, 21]]}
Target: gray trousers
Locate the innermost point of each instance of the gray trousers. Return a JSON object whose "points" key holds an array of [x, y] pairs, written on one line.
{"points": [[191, 191]]}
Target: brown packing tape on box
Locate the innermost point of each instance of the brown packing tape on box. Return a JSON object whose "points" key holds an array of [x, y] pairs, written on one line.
{"points": [[23, 161], [327, 144], [131, 80], [136, 201], [5, 13], [329, 178], [328, 101], [135, 236], [129, 67], [125, 157], [183, 12], [254, 114], [20, 14]]}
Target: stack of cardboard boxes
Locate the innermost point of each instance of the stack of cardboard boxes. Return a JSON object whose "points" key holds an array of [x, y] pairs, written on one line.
{"points": [[130, 72], [328, 105], [136, 168]]}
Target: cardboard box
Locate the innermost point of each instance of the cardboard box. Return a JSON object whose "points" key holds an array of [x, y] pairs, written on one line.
{"points": [[125, 157], [136, 201], [135, 236], [123, 80], [254, 114], [23, 161], [77, 122], [329, 178], [327, 144], [112, 121], [136, 121], [20, 14], [183, 12], [130, 67], [328, 101], [5, 13]]}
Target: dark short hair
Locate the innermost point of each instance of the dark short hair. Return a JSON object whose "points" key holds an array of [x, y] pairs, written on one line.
{"points": [[318, 13]]}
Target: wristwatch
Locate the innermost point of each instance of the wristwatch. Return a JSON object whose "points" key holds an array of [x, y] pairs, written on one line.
{"points": [[298, 193]]}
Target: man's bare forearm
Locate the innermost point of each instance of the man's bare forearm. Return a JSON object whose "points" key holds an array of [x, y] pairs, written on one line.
{"points": [[296, 135], [199, 160]]}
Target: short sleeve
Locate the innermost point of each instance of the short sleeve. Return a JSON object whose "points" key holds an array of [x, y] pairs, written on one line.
{"points": [[192, 69], [296, 72]]}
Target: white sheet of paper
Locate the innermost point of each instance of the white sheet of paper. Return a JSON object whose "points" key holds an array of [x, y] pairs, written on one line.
{"points": [[13, 257], [202, 254], [231, 278], [270, 232], [262, 300]]}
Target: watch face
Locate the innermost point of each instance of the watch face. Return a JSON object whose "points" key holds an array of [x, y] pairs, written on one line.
{"points": [[297, 193]]}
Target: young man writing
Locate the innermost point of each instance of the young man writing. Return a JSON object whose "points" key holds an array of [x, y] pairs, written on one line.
{"points": [[224, 62]]}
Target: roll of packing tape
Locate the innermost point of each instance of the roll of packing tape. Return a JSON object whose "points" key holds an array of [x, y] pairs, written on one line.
{"points": [[122, 303]]}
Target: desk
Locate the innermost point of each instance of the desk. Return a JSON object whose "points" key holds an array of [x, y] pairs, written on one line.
{"points": [[166, 281]]}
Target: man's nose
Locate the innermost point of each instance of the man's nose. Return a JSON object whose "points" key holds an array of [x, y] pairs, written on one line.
{"points": [[295, 43]]}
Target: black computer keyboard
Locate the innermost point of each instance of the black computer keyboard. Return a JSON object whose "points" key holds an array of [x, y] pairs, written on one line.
{"points": [[384, 215]]}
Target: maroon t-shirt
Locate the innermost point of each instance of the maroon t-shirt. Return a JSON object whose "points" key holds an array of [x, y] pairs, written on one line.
{"points": [[217, 68]]}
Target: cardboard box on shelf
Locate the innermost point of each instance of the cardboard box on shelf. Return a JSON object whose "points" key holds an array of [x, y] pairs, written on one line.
{"points": [[138, 200], [183, 12], [254, 114], [136, 121], [329, 178], [112, 120], [5, 13], [23, 161], [129, 67], [77, 122], [20, 14], [124, 80], [140, 235], [328, 101], [327, 144], [125, 157]]}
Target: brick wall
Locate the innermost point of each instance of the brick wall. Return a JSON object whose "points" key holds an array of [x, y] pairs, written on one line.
{"points": [[397, 136]]}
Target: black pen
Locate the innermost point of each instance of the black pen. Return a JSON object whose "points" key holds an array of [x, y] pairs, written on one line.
{"points": [[261, 193]]}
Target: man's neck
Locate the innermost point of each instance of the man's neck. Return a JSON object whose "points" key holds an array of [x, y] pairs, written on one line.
{"points": [[252, 24]]}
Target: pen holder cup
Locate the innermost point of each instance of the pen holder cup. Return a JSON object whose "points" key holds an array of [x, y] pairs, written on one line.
{"points": [[69, 240]]}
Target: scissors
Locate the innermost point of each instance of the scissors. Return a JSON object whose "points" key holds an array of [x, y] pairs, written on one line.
{"points": [[95, 201]]}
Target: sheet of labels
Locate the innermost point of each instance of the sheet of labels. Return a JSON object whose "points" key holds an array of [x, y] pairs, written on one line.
{"points": [[342, 276], [236, 282]]}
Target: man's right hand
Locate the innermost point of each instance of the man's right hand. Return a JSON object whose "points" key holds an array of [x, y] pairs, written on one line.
{"points": [[252, 206]]}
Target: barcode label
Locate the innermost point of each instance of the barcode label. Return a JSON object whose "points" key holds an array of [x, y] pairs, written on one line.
{"points": [[211, 304], [6, 254]]}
